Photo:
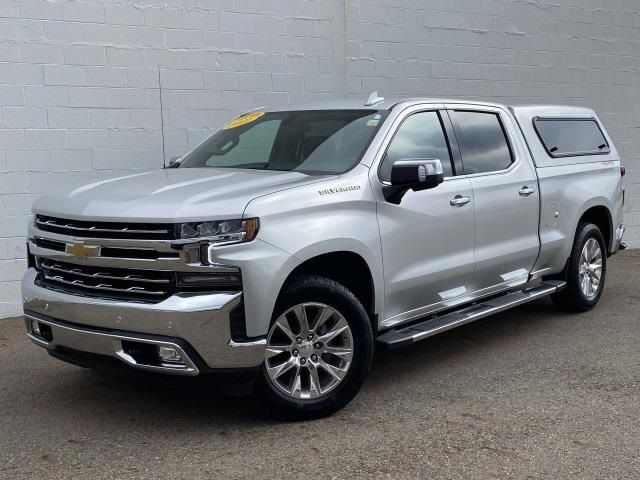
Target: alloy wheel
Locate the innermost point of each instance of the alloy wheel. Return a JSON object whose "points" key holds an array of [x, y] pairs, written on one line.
{"points": [[309, 350], [590, 269]]}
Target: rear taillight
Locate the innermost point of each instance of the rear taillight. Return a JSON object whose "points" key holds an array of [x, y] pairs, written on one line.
{"points": [[622, 170]]}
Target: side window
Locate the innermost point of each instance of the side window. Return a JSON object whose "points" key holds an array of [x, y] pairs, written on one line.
{"points": [[482, 141], [563, 137], [419, 136]]}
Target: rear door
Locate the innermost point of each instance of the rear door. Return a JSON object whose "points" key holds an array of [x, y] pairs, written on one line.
{"points": [[505, 192]]}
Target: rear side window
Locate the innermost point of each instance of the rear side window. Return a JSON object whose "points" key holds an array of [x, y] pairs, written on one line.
{"points": [[483, 144], [568, 137]]}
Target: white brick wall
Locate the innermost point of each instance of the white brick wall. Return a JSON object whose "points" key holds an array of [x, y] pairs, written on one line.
{"points": [[78, 79], [582, 52]]}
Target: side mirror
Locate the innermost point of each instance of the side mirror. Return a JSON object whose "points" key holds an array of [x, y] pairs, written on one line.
{"points": [[413, 174]]}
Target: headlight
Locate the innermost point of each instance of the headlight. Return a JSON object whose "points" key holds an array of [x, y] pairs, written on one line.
{"points": [[222, 232]]}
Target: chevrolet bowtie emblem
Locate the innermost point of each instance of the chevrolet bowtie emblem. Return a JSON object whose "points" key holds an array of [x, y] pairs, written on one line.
{"points": [[82, 250]]}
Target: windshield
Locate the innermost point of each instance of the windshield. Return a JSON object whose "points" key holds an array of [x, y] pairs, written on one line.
{"points": [[311, 142]]}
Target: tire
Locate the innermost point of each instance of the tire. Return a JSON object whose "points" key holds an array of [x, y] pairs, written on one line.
{"points": [[574, 298], [306, 389]]}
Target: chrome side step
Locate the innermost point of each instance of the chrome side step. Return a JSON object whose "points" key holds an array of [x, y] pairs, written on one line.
{"points": [[407, 335]]}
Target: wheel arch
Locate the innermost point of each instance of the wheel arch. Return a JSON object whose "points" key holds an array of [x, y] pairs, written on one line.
{"points": [[599, 215], [345, 267], [348, 268]]}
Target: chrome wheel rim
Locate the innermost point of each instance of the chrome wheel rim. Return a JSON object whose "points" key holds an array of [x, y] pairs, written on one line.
{"points": [[309, 351], [590, 272]]}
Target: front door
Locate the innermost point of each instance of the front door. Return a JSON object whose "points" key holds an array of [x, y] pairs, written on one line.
{"points": [[427, 239]]}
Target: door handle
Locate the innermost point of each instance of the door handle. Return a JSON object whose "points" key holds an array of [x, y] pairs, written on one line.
{"points": [[459, 201], [526, 191]]}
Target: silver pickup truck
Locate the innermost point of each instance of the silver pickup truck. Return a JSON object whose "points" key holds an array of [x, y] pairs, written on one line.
{"points": [[277, 254]]}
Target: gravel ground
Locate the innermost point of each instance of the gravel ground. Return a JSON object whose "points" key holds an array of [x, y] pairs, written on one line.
{"points": [[529, 393]]}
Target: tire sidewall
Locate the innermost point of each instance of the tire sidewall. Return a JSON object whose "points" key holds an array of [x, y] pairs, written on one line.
{"points": [[322, 290], [586, 232]]}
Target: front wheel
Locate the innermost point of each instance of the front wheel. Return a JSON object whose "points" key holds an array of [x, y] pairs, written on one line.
{"points": [[319, 350], [586, 271]]}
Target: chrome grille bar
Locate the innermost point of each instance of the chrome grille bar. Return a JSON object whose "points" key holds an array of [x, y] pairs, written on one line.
{"points": [[104, 229], [102, 287], [143, 285], [68, 226], [99, 275]]}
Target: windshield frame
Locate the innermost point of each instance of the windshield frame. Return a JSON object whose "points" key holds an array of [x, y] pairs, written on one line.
{"points": [[384, 114]]}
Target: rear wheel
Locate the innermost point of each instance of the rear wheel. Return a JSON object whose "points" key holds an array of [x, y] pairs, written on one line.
{"points": [[319, 349], [586, 271]]}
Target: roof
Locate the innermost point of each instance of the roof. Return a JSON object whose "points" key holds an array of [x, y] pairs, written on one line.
{"points": [[359, 104]]}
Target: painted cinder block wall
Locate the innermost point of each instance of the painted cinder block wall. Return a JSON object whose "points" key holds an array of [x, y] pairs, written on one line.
{"points": [[79, 97]]}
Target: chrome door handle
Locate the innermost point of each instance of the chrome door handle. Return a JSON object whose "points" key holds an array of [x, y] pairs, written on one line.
{"points": [[459, 201], [526, 191]]}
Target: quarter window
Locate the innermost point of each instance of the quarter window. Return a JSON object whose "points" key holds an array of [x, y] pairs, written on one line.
{"points": [[420, 136], [563, 137], [483, 144]]}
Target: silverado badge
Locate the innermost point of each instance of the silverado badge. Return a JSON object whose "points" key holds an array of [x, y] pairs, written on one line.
{"points": [[348, 188]]}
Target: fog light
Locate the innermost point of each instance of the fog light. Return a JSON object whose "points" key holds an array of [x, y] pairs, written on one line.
{"points": [[169, 354], [35, 327]]}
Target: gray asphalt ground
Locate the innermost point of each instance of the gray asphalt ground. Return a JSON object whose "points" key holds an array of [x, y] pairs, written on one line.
{"points": [[530, 393]]}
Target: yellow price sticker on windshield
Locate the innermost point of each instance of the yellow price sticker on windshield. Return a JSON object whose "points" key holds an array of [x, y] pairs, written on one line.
{"points": [[243, 120]]}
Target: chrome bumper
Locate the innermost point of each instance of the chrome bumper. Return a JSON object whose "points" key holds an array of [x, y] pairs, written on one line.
{"points": [[99, 326], [108, 344]]}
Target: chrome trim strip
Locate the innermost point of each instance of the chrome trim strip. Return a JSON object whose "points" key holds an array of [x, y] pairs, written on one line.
{"points": [[432, 309], [175, 253], [173, 264], [155, 244], [468, 314], [250, 344], [101, 343], [541, 272]]}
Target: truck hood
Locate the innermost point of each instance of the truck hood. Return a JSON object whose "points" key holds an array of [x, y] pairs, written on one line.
{"points": [[176, 194]]}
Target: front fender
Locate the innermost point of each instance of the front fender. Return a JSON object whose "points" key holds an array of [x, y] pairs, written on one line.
{"points": [[307, 221]]}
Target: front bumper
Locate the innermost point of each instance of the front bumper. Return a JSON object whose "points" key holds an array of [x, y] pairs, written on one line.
{"points": [[196, 326]]}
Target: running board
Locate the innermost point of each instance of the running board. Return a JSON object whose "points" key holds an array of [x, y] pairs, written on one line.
{"points": [[407, 335]]}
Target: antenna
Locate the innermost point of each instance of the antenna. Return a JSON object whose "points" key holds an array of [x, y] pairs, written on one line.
{"points": [[164, 153], [373, 99]]}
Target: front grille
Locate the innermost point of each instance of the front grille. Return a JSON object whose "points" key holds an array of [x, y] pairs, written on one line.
{"points": [[88, 229], [112, 252], [50, 244], [114, 283]]}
